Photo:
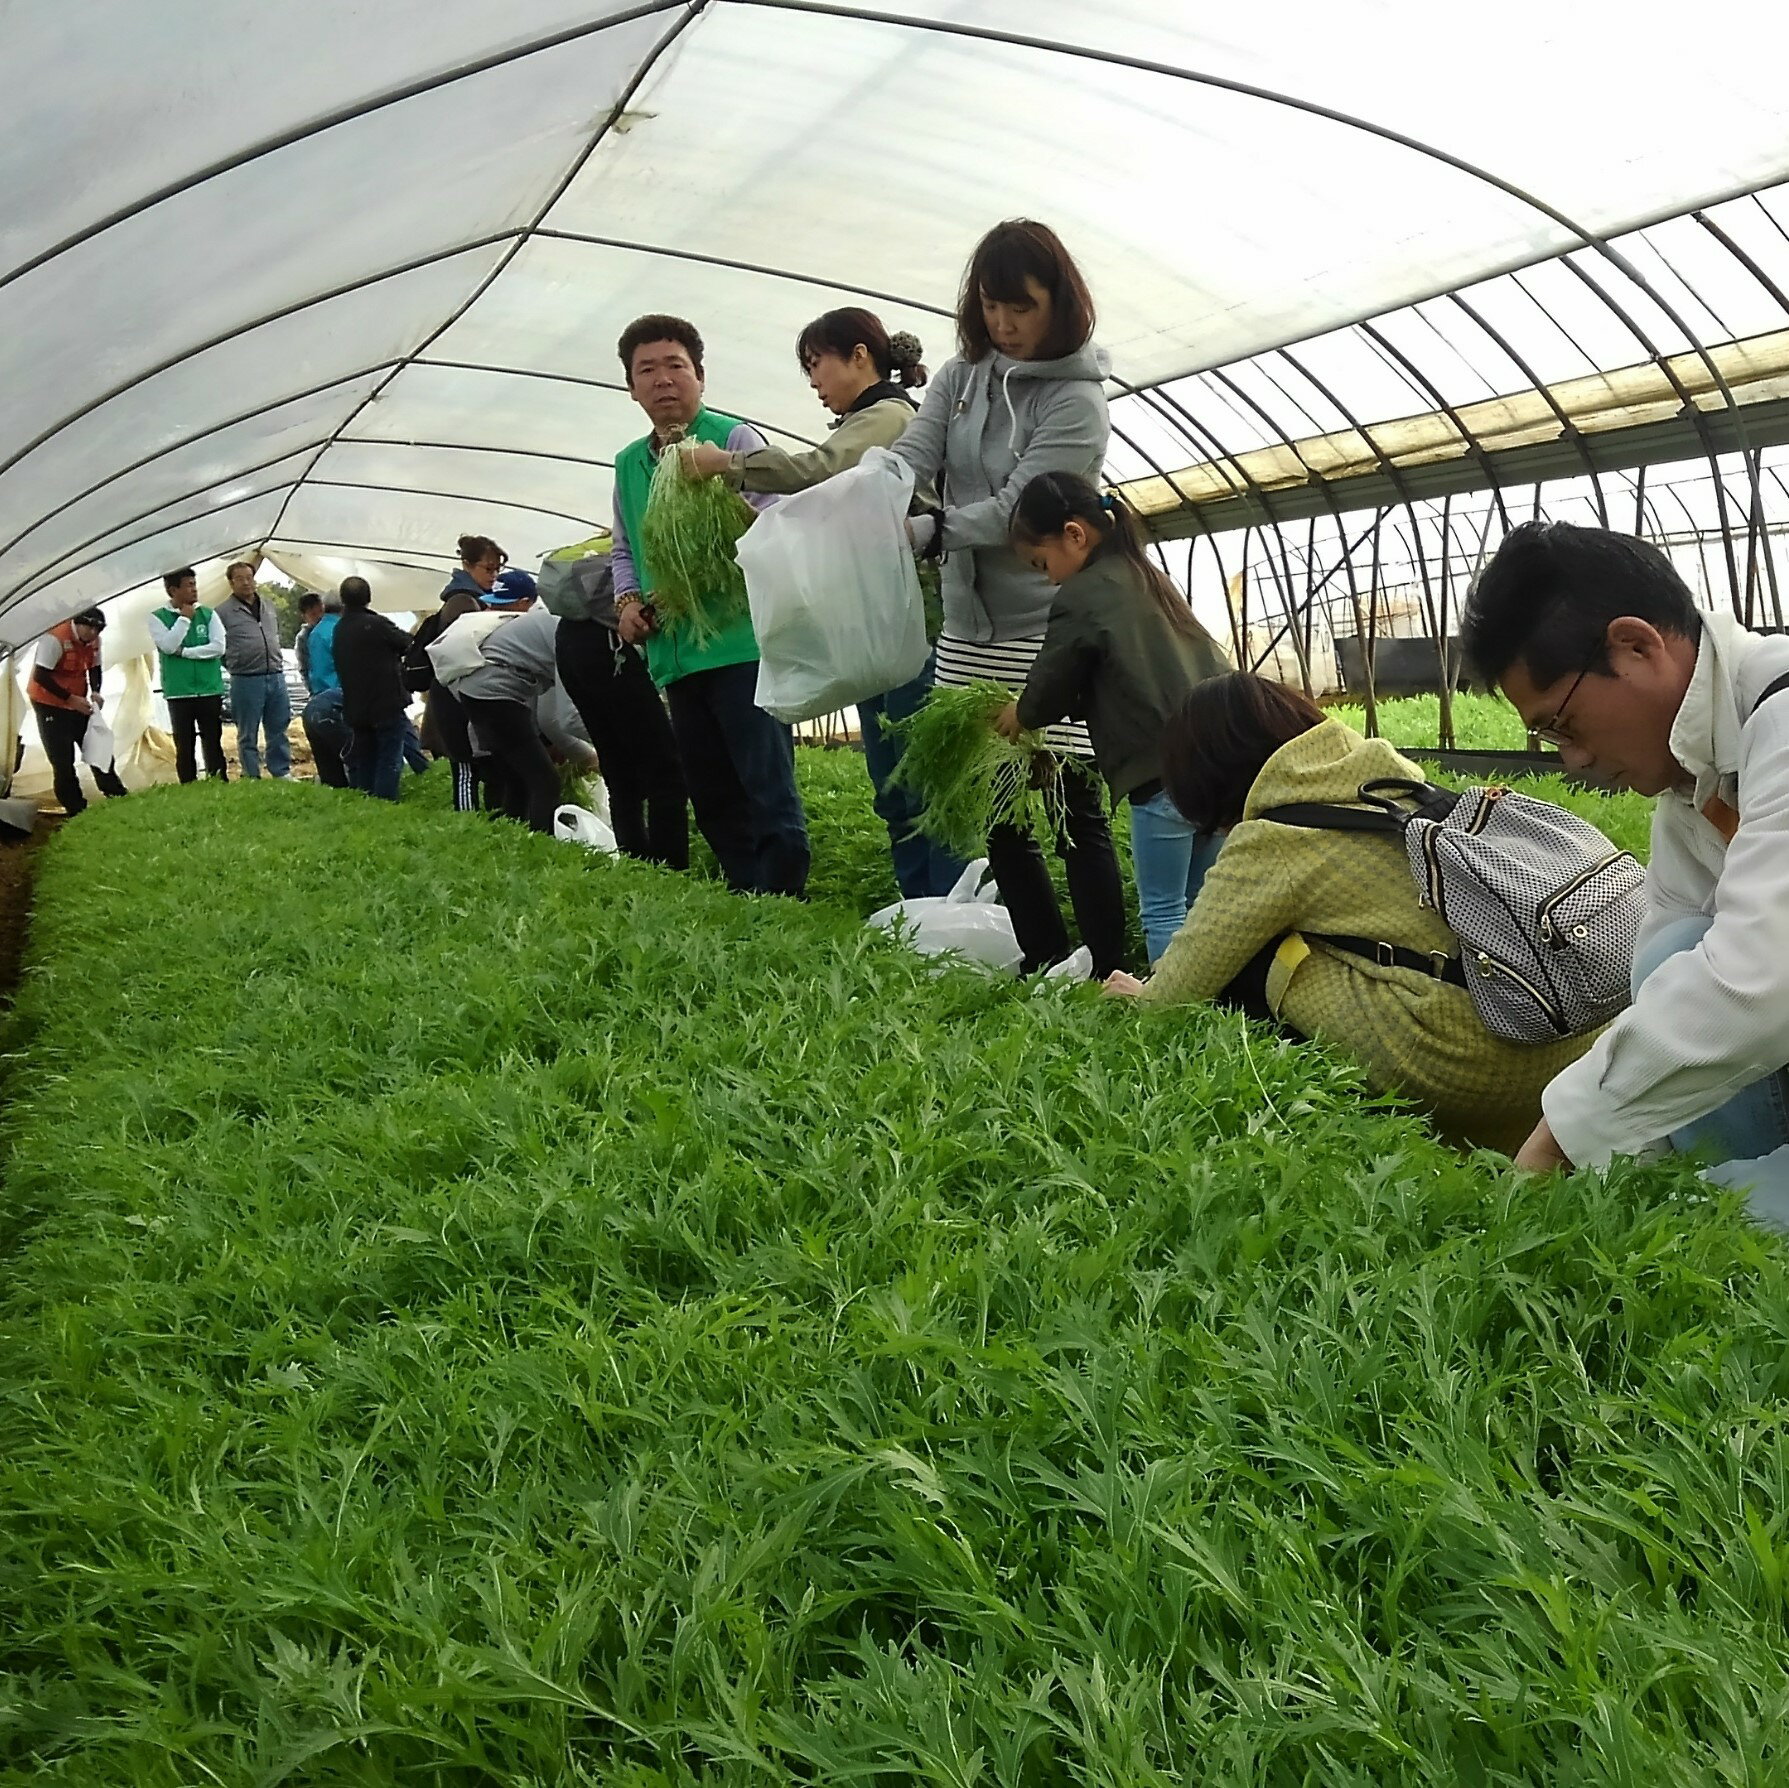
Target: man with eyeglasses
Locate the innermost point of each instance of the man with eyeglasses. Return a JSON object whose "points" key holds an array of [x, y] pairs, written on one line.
{"points": [[1597, 642]]}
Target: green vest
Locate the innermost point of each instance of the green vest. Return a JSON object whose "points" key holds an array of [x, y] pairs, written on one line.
{"points": [[669, 657], [191, 676]]}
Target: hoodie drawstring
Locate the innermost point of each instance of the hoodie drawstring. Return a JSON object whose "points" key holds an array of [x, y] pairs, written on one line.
{"points": [[1012, 438]]}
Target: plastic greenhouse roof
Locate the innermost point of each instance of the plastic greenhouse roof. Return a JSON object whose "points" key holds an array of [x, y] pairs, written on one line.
{"points": [[342, 281]]}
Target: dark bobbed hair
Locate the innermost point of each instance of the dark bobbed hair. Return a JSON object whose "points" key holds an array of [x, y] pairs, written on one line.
{"points": [[1221, 737], [897, 357], [476, 548], [658, 327], [1550, 591], [1004, 259], [1054, 499]]}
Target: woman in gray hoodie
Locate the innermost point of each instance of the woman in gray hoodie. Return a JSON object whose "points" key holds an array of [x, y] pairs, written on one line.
{"points": [[1025, 397]]}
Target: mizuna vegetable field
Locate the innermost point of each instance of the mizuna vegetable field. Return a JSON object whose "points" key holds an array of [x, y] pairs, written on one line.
{"points": [[477, 1314]]}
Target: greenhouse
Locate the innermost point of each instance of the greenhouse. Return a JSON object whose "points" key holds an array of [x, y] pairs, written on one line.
{"points": [[476, 1309]]}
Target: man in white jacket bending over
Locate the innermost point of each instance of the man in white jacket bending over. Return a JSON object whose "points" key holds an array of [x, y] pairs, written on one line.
{"points": [[1597, 642]]}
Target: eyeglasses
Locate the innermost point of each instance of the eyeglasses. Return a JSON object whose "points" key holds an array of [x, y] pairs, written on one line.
{"points": [[1552, 733]]}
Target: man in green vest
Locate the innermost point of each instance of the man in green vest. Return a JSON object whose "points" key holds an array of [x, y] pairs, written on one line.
{"points": [[190, 640], [738, 763]]}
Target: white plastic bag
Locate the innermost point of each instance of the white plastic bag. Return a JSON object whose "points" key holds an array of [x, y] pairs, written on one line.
{"points": [[97, 744], [966, 922], [834, 593], [578, 825], [460, 650]]}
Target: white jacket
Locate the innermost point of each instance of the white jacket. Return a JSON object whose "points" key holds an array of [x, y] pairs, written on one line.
{"points": [[1713, 1019]]}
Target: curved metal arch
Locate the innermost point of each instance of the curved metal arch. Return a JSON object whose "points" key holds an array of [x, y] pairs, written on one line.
{"points": [[693, 9], [58, 567], [446, 496], [570, 459], [124, 546], [188, 440], [318, 126], [384, 555], [226, 336], [1432, 391], [1569, 430]]}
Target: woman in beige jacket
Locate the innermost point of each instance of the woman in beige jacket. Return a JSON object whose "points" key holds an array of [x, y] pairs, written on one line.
{"points": [[1257, 934], [863, 375]]}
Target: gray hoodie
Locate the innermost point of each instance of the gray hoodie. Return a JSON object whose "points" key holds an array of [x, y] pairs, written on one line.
{"points": [[990, 426]]}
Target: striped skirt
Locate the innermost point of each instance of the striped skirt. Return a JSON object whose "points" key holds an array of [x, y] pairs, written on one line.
{"points": [[1007, 661]]}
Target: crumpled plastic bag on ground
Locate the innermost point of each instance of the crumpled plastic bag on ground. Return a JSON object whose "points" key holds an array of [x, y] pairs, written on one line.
{"points": [[966, 922]]}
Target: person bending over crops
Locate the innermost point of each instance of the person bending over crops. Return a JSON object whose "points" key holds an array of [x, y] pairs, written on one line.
{"points": [[1121, 651], [863, 375], [1598, 643], [738, 763], [370, 651], [1241, 745], [444, 720], [1024, 396]]}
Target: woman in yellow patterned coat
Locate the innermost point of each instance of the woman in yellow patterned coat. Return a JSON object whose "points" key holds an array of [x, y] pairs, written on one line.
{"points": [[1242, 745]]}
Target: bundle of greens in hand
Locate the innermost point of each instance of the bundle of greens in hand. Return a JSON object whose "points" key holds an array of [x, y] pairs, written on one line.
{"points": [[970, 777], [688, 533]]}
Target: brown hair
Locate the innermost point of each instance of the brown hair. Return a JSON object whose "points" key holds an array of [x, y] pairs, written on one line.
{"points": [[1054, 499], [1221, 738], [898, 357], [475, 549], [240, 565], [1004, 259], [658, 327]]}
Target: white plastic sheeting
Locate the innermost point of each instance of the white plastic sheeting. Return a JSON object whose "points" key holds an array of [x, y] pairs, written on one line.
{"points": [[253, 261]]}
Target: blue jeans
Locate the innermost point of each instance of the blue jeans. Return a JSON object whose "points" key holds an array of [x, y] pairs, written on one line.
{"points": [[414, 755], [376, 758], [920, 867], [739, 765], [256, 702], [1748, 1137], [1170, 860]]}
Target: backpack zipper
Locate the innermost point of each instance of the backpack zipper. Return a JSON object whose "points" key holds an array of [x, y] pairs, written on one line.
{"points": [[1488, 965], [1543, 914]]}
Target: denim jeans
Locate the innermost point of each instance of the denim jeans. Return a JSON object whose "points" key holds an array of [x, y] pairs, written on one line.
{"points": [[1748, 1137], [256, 702], [921, 868], [414, 756], [1170, 860], [739, 765], [376, 758]]}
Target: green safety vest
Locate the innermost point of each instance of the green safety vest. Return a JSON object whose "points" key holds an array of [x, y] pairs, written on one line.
{"points": [[669, 656], [191, 676]]}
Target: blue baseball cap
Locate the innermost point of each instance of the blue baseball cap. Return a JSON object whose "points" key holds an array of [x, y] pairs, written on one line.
{"points": [[510, 587]]}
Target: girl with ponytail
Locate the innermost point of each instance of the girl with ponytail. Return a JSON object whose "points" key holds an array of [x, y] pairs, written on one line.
{"points": [[1121, 651]]}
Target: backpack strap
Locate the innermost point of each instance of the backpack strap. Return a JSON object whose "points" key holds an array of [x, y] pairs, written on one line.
{"points": [[1321, 818], [1771, 689], [1436, 964]]}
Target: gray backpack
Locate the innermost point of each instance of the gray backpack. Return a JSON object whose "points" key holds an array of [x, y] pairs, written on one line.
{"points": [[578, 586], [1546, 909]]}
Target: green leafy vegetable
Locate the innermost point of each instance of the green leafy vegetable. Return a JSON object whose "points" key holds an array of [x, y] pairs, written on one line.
{"points": [[970, 777], [688, 533]]}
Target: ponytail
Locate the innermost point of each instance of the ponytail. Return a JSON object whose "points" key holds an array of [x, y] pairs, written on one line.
{"points": [[1054, 499]]}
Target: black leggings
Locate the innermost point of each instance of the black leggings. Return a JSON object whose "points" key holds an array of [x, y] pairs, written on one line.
{"points": [[525, 774], [1095, 888], [610, 687]]}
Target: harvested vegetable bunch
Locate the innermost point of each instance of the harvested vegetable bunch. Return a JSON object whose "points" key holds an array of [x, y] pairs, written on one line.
{"points": [[971, 778], [688, 530]]}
